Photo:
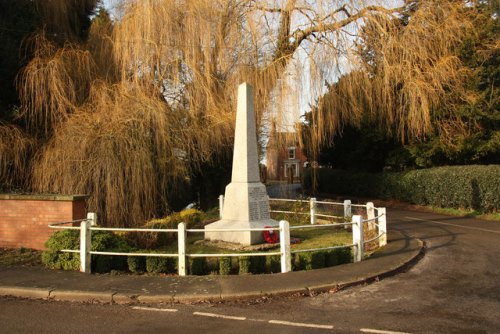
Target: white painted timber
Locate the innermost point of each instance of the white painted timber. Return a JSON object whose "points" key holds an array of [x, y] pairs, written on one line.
{"points": [[286, 256], [357, 238], [370, 212], [181, 242], [312, 208], [85, 237], [246, 203], [382, 227]]}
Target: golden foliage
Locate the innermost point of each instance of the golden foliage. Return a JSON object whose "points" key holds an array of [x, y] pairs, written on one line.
{"points": [[410, 71], [118, 148], [127, 115], [53, 84], [15, 149]]}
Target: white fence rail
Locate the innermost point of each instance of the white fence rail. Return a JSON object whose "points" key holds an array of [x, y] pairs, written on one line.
{"points": [[376, 219]]}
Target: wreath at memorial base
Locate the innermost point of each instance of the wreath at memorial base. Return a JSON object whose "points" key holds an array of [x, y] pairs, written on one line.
{"points": [[270, 236]]}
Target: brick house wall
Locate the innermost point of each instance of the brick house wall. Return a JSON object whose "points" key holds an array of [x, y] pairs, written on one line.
{"points": [[24, 218], [279, 160]]}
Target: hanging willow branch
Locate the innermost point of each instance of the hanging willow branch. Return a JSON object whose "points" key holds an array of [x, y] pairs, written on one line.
{"points": [[132, 112]]}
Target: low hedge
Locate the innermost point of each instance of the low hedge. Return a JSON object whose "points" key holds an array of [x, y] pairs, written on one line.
{"points": [[107, 241], [161, 265], [463, 187], [321, 259], [70, 239]]}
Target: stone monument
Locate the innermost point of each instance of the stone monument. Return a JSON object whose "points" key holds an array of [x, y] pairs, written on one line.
{"points": [[246, 203]]}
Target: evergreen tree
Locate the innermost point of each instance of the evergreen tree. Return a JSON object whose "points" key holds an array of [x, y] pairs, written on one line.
{"points": [[17, 21]]}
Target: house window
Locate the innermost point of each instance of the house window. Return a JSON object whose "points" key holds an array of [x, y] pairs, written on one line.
{"points": [[291, 153]]}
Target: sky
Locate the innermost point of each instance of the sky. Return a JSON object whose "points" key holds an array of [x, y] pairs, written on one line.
{"points": [[109, 4]]}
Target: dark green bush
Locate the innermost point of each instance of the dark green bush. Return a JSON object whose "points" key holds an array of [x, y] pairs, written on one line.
{"points": [[311, 260], [273, 263], [108, 241], [337, 256], [225, 266], [465, 187], [70, 239], [65, 239], [257, 264], [136, 264], [198, 266], [163, 265], [244, 265]]}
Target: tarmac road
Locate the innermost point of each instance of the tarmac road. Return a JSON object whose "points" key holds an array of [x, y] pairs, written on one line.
{"points": [[454, 288]]}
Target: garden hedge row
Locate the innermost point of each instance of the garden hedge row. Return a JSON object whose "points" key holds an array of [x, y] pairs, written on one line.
{"points": [[467, 187], [107, 241]]}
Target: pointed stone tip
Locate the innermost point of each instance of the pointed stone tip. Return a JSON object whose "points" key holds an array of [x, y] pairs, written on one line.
{"points": [[245, 85]]}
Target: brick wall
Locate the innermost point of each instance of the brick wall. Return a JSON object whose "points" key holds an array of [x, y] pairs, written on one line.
{"points": [[24, 218]]}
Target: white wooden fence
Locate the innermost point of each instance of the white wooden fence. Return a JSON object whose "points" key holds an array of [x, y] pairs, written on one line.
{"points": [[375, 217]]}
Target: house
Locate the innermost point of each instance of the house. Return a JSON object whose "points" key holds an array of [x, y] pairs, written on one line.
{"points": [[285, 158]]}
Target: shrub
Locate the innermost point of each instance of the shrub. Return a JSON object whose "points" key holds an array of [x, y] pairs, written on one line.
{"points": [[257, 264], [462, 187], [345, 255], [244, 265], [108, 241], [198, 266], [163, 238], [157, 265], [225, 266], [191, 216], [136, 264], [311, 260], [70, 239], [65, 239], [273, 263], [337, 256]]}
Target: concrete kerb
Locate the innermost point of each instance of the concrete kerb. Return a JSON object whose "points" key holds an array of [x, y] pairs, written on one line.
{"points": [[225, 288], [81, 296], [398, 268], [25, 292]]}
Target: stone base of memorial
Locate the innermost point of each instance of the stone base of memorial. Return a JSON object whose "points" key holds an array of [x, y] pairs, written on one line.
{"points": [[246, 206]]}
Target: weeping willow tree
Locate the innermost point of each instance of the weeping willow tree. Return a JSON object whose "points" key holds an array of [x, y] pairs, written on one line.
{"points": [[133, 111], [412, 78]]}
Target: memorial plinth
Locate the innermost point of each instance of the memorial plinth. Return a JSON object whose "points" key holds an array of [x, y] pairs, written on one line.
{"points": [[246, 203]]}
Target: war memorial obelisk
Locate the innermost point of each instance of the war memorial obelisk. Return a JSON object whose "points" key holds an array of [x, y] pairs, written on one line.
{"points": [[246, 203]]}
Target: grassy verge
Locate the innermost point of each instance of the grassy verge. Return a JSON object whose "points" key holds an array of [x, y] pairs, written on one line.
{"points": [[465, 213], [20, 256]]}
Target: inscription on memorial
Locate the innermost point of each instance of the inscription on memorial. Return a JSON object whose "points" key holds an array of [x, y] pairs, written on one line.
{"points": [[259, 204], [254, 210], [264, 210]]}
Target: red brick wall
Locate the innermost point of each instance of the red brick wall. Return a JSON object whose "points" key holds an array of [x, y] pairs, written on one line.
{"points": [[24, 218]]}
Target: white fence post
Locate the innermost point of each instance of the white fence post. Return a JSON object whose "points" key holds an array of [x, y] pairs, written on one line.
{"points": [[92, 216], [85, 237], [347, 210], [286, 256], [181, 245], [357, 238], [370, 213], [312, 206], [382, 227], [221, 205]]}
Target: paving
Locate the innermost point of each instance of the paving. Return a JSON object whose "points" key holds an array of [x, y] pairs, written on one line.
{"points": [[37, 282]]}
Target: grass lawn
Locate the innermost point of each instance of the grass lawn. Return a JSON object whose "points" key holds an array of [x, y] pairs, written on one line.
{"points": [[20, 256]]}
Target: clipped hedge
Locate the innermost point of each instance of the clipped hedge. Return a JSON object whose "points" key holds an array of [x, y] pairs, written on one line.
{"points": [[198, 266], [136, 264], [465, 187], [225, 266], [161, 265]]}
